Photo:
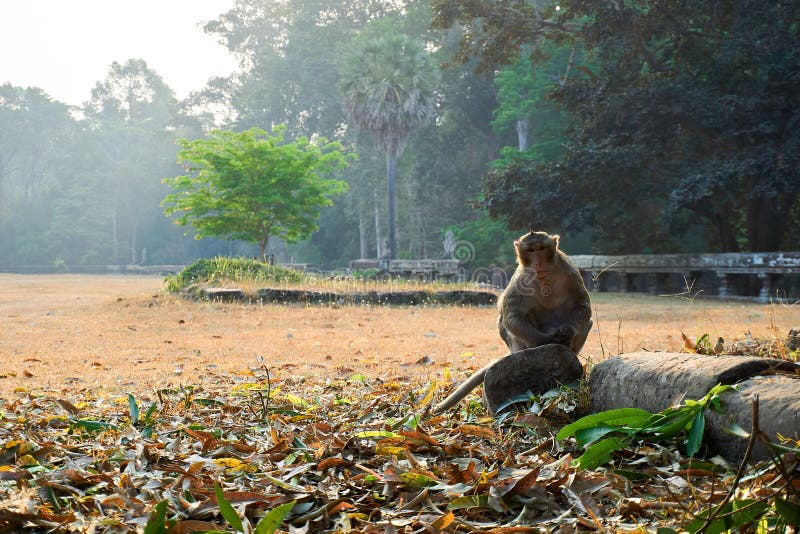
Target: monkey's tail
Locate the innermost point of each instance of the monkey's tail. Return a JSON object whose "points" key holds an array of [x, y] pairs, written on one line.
{"points": [[460, 392]]}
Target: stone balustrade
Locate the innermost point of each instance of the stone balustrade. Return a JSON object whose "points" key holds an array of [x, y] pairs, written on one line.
{"points": [[728, 275]]}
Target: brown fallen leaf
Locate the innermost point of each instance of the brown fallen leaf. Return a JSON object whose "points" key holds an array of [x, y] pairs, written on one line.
{"points": [[328, 463], [68, 406], [479, 431], [444, 521], [688, 344]]}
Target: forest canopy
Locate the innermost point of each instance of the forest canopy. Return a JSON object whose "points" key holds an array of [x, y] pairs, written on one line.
{"points": [[655, 126]]}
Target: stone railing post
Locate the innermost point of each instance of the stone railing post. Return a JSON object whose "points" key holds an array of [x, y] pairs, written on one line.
{"points": [[766, 287], [723, 291], [653, 283]]}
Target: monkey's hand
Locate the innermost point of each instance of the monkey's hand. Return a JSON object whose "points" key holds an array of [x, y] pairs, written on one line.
{"points": [[563, 336]]}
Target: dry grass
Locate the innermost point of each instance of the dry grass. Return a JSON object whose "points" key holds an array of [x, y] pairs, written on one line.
{"points": [[67, 333]]}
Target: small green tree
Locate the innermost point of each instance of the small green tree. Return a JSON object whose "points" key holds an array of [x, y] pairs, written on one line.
{"points": [[252, 186]]}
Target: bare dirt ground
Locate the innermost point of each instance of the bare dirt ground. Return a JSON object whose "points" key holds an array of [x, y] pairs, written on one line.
{"points": [[65, 334]]}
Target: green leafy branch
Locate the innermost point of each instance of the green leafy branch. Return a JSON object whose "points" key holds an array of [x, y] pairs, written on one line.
{"points": [[606, 432]]}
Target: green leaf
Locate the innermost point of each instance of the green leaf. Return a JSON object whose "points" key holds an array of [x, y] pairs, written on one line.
{"points": [[734, 515], [208, 402], [629, 417], [91, 426], [270, 522], [675, 423], [133, 409], [156, 523], [599, 453], [665, 530], [789, 511], [227, 511], [468, 501], [696, 434], [416, 481], [717, 526], [746, 512], [148, 417], [585, 436], [632, 475]]}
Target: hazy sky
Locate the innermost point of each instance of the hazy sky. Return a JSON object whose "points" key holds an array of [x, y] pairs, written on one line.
{"points": [[66, 46]]}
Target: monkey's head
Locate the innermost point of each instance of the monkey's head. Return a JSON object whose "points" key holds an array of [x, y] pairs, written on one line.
{"points": [[537, 251]]}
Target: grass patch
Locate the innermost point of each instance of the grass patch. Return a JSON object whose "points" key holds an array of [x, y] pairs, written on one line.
{"points": [[221, 270], [251, 275]]}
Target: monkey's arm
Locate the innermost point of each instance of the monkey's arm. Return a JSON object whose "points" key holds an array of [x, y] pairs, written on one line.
{"points": [[522, 327], [580, 324], [461, 391]]}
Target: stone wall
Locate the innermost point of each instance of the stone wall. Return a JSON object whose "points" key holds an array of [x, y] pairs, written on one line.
{"points": [[764, 276]]}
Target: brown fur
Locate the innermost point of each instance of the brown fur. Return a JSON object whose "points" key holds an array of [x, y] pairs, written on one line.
{"points": [[545, 302]]}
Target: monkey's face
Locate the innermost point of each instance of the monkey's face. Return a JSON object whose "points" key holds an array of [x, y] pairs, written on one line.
{"points": [[537, 251]]}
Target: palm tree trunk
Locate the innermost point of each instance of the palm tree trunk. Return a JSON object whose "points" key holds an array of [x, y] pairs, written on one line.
{"points": [[391, 171], [362, 232], [378, 238]]}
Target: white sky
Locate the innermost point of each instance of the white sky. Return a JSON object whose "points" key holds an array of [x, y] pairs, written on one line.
{"points": [[66, 46]]}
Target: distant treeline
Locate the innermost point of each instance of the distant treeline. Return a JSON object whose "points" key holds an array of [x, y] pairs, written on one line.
{"points": [[631, 128]]}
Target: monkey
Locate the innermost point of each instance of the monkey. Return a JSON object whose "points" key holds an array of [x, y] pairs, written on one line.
{"points": [[545, 302]]}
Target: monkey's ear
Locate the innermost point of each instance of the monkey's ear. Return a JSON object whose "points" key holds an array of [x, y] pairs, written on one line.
{"points": [[555, 237]]}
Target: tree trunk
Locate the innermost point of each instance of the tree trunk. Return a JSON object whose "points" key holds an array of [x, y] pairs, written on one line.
{"points": [[262, 248], [378, 238], [114, 238], [391, 171], [522, 134], [423, 235], [133, 243], [362, 233], [767, 218], [727, 235], [134, 224]]}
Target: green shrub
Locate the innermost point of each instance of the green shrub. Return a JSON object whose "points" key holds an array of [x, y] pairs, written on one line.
{"points": [[211, 270]]}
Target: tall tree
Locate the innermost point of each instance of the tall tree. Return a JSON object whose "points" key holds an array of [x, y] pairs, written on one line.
{"points": [[688, 108], [388, 84], [288, 53], [522, 89], [36, 136], [132, 110]]}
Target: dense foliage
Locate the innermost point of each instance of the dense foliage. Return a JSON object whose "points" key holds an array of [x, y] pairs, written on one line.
{"points": [[649, 126], [689, 108]]}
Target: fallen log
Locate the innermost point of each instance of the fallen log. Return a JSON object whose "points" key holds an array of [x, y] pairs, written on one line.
{"points": [[655, 381]]}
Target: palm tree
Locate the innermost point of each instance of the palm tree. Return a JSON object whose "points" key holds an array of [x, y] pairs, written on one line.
{"points": [[388, 86]]}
